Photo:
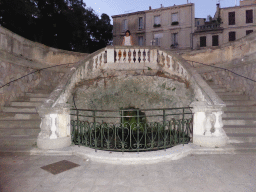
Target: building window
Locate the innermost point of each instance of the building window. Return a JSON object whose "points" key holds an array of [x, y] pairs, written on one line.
{"points": [[157, 39], [232, 18], [232, 36], [175, 19], [215, 40], [141, 24], [248, 32], [249, 16], [203, 41], [140, 40], [157, 20], [174, 39], [125, 24]]}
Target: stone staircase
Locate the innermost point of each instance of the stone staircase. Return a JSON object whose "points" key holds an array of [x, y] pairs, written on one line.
{"points": [[20, 122], [239, 119]]}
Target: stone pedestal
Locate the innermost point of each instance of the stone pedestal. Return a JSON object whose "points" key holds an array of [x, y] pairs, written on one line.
{"points": [[55, 127], [207, 125]]}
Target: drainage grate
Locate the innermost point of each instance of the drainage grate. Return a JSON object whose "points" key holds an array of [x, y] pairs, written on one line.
{"points": [[59, 167]]}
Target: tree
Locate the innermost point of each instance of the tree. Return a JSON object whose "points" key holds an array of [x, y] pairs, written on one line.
{"points": [[64, 24]]}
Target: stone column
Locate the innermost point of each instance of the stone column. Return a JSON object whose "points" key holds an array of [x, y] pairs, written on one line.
{"points": [[204, 133], [110, 54], [55, 127]]}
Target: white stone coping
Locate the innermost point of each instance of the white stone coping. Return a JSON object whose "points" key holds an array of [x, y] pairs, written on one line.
{"points": [[128, 158]]}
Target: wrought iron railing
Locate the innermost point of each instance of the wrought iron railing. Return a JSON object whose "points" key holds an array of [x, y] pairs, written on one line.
{"points": [[208, 27], [131, 129]]}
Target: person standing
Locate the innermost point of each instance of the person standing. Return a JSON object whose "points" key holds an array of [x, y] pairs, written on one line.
{"points": [[127, 41]]}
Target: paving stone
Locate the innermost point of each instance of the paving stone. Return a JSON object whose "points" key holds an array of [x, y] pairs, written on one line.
{"points": [[195, 173]]}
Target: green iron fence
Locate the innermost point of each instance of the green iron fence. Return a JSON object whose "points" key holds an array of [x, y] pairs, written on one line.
{"points": [[131, 129]]}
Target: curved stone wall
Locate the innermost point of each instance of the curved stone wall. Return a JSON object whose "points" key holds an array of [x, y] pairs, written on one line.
{"points": [[11, 43], [20, 56], [44, 79]]}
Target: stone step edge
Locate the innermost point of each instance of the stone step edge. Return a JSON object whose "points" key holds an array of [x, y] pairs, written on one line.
{"points": [[238, 118], [14, 128], [239, 126]]}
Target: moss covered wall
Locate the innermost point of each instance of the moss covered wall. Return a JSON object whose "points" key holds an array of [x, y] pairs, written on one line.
{"points": [[144, 92]]}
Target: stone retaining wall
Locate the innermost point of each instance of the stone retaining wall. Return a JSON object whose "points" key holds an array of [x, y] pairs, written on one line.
{"points": [[234, 82], [238, 57], [20, 56], [32, 51], [226, 53], [9, 72]]}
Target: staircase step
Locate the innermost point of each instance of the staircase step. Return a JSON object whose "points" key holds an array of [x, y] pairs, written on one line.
{"points": [[239, 114], [214, 86], [240, 102], [20, 109], [19, 123], [18, 140], [243, 137], [15, 149], [239, 128], [239, 121], [240, 108], [220, 90], [42, 95], [19, 131], [25, 104], [16, 116], [245, 147], [37, 99], [229, 93], [22, 99], [234, 97]]}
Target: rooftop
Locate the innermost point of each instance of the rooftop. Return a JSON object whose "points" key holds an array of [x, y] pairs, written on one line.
{"points": [[152, 10]]}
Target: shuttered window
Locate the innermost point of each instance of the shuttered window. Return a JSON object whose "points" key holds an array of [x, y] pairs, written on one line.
{"points": [[215, 40], [174, 17], [203, 41], [232, 36], [249, 16], [231, 18], [125, 24], [140, 40], [157, 20], [141, 24]]}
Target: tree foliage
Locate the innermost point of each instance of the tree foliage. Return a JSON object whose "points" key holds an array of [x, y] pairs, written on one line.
{"points": [[64, 24]]}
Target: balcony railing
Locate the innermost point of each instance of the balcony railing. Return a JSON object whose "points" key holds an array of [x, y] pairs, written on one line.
{"points": [[208, 27]]}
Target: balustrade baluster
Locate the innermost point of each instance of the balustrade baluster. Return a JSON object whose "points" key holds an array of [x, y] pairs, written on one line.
{"points": [[164, 55], [119, 55], [133, 55], [127, 57], [146, 55], [122, 57]]}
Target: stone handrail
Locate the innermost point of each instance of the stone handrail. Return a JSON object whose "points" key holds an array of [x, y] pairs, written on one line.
{"points": [[207, 106]]}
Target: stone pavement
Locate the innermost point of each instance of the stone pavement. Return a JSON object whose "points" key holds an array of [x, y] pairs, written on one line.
{"points": [[194, 173]]}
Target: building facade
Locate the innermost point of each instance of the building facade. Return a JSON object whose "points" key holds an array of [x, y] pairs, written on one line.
{"points": [[228, 24], [167, 27]]}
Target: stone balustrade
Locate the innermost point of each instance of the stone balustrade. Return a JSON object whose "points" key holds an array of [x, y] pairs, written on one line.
{"points": [[207, 106]]}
